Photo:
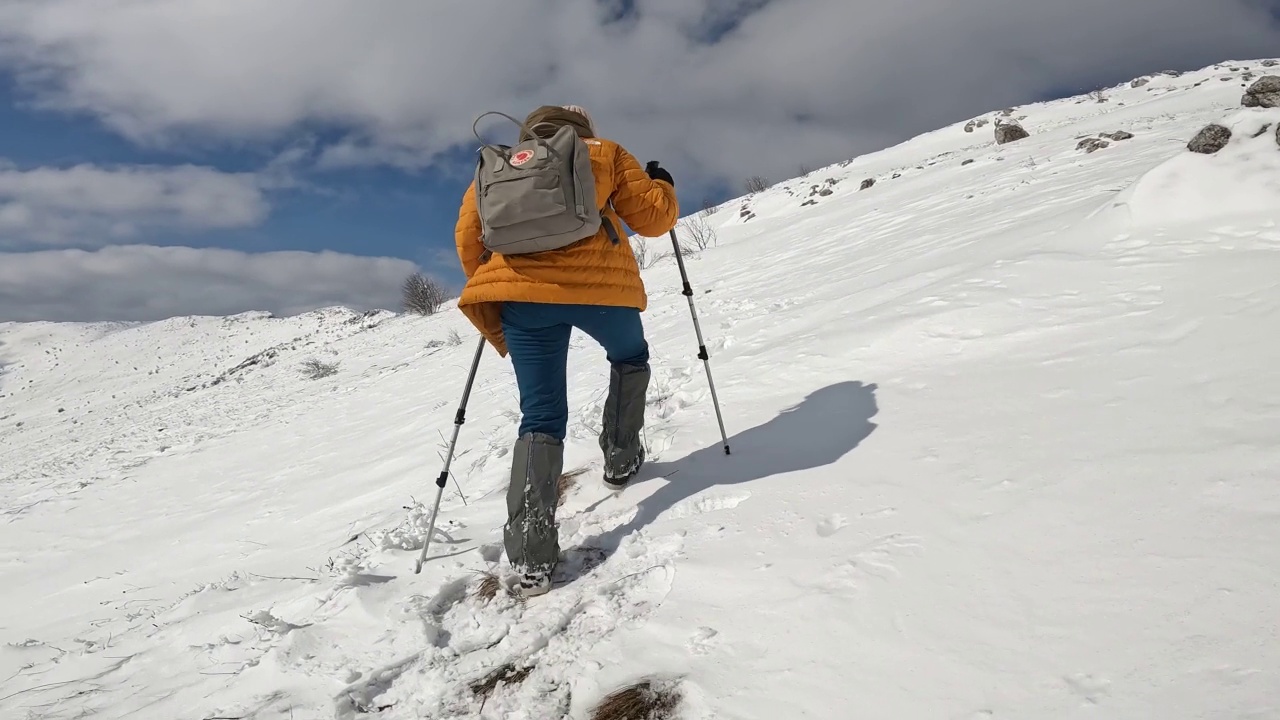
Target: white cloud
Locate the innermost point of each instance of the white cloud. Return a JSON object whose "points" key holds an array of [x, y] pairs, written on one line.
{"points": [[407, 80], [89, 205], [145, 282]]}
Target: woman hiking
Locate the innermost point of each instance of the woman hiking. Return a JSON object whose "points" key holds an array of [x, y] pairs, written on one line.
{"points": [[527, 306]]}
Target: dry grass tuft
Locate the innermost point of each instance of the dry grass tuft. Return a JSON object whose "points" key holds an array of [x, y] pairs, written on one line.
{"points": [[508, 674], [566, 483], [642, 701], [489, 586]]}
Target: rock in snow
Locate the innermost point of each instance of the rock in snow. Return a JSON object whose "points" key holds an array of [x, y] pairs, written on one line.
{"points": [[1264, 93], [1118, 135], [1210, 140], [1092, 144], [1007, 132]]}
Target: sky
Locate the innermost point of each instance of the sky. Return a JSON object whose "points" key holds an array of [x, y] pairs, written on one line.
{"points": [[161, 158]]}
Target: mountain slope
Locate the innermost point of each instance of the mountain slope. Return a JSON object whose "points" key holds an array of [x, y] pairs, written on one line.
{"points": [[1003, 447]]}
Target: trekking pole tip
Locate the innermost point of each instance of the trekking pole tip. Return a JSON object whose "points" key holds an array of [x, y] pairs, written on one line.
{"points": [[726, 449]]}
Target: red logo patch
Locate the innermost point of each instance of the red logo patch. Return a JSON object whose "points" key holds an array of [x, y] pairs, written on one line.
{"points": [[521, 157]]}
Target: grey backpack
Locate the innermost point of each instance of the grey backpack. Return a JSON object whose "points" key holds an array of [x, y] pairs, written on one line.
{"points": [[538, 195]]}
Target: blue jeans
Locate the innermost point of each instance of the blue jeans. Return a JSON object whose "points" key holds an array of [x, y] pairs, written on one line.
{"points": [[537, 336]]}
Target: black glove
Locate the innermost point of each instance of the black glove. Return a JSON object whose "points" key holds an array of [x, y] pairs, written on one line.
{"points": [[658, 173]]}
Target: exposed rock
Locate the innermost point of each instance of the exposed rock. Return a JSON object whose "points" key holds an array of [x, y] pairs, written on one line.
{"points": [[896, 176], [1263, 131], [824, 192], [969, 126], [1270, 63], [808, 202], [975, 124], [1278, 134], [967, 162], [1010, 132], [1006, 112], [867, 183], [1139, 82], [1210, 140], [1117, 135], [1265, 92], [1092, 144]]}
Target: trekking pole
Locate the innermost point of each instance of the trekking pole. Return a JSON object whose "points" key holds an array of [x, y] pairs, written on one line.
{"points": [[702, 347], [458, 420]]}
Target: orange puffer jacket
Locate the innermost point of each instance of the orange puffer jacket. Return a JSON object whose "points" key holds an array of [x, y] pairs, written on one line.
{"points": [[590, 272]]}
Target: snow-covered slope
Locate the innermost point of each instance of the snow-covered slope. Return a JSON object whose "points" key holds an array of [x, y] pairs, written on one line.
{"points": [[1005, 429]]}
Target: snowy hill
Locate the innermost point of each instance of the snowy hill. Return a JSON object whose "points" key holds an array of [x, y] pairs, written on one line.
{"points": [[1005, 446]]}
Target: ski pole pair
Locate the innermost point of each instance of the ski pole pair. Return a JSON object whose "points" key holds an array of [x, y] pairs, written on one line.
{"points": [[461, 417]]}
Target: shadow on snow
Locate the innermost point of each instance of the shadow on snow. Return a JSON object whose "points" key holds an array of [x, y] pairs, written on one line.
{"points": [[821, 429]]}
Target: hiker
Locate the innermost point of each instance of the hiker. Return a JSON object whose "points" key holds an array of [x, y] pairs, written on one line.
{"points": [[527, 305]]}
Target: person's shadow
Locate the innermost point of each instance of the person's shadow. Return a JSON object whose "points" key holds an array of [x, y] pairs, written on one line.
{"points": [[823, 428]]}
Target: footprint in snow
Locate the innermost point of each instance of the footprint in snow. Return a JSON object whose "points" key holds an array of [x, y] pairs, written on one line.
{"points": [[708, 503], [831, 524], [703, 641]]}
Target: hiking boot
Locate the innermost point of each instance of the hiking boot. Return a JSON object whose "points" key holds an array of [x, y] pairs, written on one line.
{"points": [[530, 537], [618, 482], [623, 421], [533, 584]]}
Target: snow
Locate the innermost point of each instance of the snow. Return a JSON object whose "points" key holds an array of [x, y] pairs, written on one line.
{"points": [[1004, 446], [1241, 181]]}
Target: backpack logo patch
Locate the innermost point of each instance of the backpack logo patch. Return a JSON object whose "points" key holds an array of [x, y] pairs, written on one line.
{"points": [[521, 158]]}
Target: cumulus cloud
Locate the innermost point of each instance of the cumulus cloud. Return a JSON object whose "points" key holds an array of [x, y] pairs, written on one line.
{"points": [[145, 282], [90, 205], [714, 88]]}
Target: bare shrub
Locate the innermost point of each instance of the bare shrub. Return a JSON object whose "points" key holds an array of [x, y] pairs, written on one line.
{"points": [[489, 586], [642, 701], [697, 234], [455, 338], [316, 369], [423, 295], [756, 184], [507, 674], [709, 208], [645, 257]]}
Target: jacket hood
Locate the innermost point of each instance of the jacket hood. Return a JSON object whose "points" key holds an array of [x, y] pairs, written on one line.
{"points": [[554, 118]]}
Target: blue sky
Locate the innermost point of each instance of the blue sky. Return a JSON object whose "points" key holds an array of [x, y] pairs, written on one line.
{"points": [[239, 130], [363, 211]]}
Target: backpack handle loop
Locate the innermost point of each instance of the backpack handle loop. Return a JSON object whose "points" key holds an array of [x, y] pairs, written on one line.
{"points": [[523, 128]]}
